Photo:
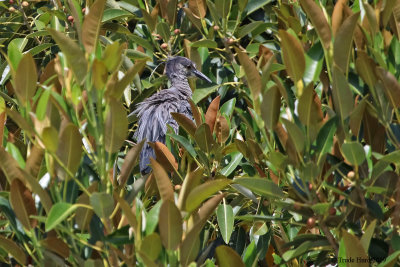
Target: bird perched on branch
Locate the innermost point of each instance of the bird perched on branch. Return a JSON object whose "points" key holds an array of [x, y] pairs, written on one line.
{"points": [[154, 113]]}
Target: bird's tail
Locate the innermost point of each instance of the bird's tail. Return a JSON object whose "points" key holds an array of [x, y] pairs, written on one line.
{"points": [[145, 155]]}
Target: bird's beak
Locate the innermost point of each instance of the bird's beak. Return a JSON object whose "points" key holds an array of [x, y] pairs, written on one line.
{"points": [[201, 76]]}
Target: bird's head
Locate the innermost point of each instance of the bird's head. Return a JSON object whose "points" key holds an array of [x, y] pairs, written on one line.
{"points": [[181, 67]]}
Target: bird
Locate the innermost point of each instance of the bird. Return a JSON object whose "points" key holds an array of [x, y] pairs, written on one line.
{"points": [[154, 113]]}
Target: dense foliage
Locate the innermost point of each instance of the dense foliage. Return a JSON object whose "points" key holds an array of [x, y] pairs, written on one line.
{"points": [[292, 158]]}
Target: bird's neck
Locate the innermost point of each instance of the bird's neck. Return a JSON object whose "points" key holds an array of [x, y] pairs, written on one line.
{"points": [[183, 87]]}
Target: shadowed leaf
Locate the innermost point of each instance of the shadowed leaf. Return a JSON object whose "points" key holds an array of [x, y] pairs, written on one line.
{"points": [[191, 180], [69, 150], [130, 216], [342, 96], [91, 25], [196, 113], [204, 138], [354, 249], [170, 225], [56, 245], [271, 106], [198, 7], [353, 152], [163, 183], [34, 160], [12, 248], [223, 7], [222, 129], [204, 191], [366, 68], [391, 85], [296, 135], [129, 162], [25, 79], [318, 19], [116, 126], [99, 74], [23, 204], [366, 237]]}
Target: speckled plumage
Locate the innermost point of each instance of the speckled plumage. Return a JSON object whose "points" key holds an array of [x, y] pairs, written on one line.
{"points": [[154, 113]]}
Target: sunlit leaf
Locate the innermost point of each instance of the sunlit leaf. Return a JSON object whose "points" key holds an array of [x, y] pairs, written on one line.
{"points": [[353, 152], [58, 213], [163, 182], [211, 114], [261, 186], [204, 191], [151, 246], [184, 122], [225, 221], [354, 249], [165, 157], [293, 55]]}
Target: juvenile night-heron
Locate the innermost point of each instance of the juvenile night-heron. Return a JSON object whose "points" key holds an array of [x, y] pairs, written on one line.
{"points": [[154, 113]]}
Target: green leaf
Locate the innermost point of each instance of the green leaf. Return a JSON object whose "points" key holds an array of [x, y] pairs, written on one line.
{"points": [[22, 203], [91, 25], [325, 136], [163, 182], [253, 5], [116, 126], [314, 63], [271, 107], [162, 29], [25, 79], [354, 249], [296, 134], [111, 14], [260, 186], [369, 232], [248, 28], [391, 260], [185, 143], [227, 257], [293, 253], [170, 225], [353, 152], [321, 208], [185, 123], [12, 248], [223, 7], [319, 21], [205, 43], [151, 246], [69, 150], [293, 56], [204, 191], [42, 105], [228, 107], [392, 157], [204, 138], [236, 158], [225, 221], [201, 93], [343, 42], [342, 96], [58, 213], [102, 203], [75, 56], [50, 138]]}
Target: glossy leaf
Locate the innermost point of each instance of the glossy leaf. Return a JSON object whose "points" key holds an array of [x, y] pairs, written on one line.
{"points": [[102, 203], [165, 157], [260, 186], [58, 213], [69, 151], [293, 55], [163, 183], [227, 257], [185, 123], [353, 152], [91, 25], [25, 79], [211, 114], [23, 204], [170, 225], [204, 191], [271, 107], [116, 126], [225, 221]]}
